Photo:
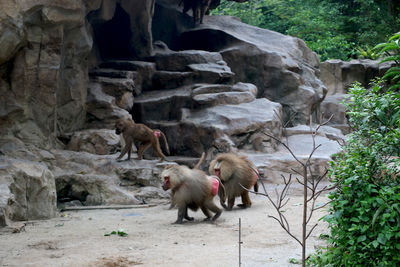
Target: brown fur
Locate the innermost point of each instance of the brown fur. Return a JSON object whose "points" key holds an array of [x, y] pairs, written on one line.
{"points": [[141, 133], [195, 167], [199, 9], [235, 170], [190, 189]]}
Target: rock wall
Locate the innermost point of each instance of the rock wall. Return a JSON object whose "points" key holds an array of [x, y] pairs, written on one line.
{"points": [[43, 69], [47, 49], [338, 76], [283, 68]]}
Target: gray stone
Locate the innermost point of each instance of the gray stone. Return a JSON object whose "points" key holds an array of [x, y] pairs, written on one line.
{"points": [[179, 61], [101, 141], [212, 73], [92, 189], [273, 165], [101, 110], [213, 99], [339, 75], [282, 67], [28, 191]]}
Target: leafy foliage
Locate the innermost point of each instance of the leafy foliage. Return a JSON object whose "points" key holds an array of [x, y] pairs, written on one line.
{"points": [[367, 52], [120, 232], [364, 215], [392, 51], [331, 28]]}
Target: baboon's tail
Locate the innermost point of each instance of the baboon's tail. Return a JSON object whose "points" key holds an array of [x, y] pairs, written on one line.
{"points": [[257, 174], [256, 187], [200, 161], [165, 142], [221, 189]]}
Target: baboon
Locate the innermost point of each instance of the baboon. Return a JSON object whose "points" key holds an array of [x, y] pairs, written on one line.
{"points": [[147, 137], [193, 189], [235, 170], [195, 167], [199, 8]]}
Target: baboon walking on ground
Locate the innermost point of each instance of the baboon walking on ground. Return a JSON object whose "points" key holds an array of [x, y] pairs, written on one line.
{"points": [[235, 171], [193, 189]]}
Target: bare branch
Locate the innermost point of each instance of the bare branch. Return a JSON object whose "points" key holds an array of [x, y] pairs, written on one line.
{"points": [[312, 229], [287, 231]]}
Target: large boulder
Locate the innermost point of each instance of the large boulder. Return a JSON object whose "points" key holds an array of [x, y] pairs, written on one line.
{"points": [[339, 75], [224, 128], [273, 165], [27, 190], [283, 68], [102, 180], [95, 141]]}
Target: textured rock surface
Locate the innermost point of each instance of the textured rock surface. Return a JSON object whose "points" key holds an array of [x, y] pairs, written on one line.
{"points": [[273, 165], [287, 74], [27, 189], [44, 71], [100, 142], [338, 75]]}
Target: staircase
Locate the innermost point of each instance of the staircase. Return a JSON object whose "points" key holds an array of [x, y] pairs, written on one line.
{"points": [[174, 92]]}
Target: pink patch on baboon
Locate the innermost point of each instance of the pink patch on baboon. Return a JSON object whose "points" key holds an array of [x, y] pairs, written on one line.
{"points": [[215, 185], [157, 133]]}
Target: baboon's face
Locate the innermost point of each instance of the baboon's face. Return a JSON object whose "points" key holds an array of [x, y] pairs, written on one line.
{"points": [[166, 183], [217, 169], [119, 126], [166, 176]]}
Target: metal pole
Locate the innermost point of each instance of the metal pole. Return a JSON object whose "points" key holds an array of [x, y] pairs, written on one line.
{"points": [[240, 242]]}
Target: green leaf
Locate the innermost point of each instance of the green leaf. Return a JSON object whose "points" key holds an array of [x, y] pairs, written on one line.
{"points": [[378, 211], [112, 233], [122, 233], [381, 239], [361, 238]]}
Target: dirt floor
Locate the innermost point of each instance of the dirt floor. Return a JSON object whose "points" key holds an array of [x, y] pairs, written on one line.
{"points": [[76, 238]]}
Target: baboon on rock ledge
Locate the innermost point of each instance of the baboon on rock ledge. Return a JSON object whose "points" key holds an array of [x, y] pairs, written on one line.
{"points": [[147, 137]]}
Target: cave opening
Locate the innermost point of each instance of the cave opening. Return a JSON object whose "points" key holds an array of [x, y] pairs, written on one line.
{"points": [[113, 38]]}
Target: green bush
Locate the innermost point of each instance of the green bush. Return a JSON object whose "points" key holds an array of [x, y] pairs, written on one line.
{"points": [[331, 28], [392, 51], [364, 216]]}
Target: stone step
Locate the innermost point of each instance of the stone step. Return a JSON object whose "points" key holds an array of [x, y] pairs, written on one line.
{"points": [[161, 104], [128, 65], [113, 73], [206, 88], [171, 79], [145, 71], [212, 73], [178, 61], [223, 98]]}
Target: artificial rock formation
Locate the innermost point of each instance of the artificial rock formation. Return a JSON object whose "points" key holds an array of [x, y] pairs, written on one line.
{"points": [[69, 69], [283, 68]]}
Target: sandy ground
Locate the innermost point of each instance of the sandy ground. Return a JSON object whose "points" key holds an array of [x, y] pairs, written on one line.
{"points": [[76, 238]]}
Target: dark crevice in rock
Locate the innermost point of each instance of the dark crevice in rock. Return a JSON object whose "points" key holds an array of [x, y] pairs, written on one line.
{"points": [[114, 36], [67, 194]]}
